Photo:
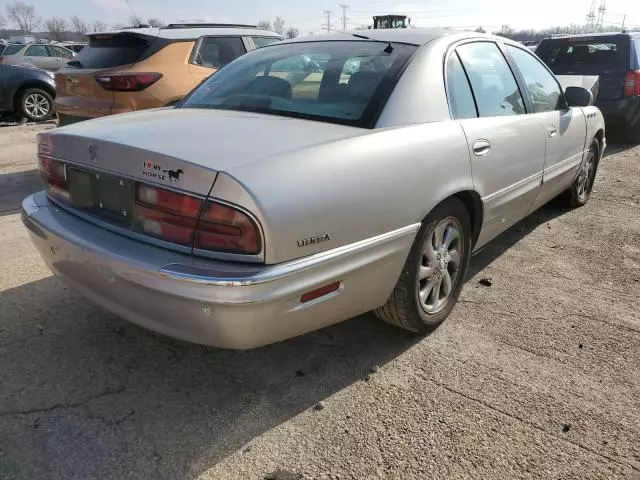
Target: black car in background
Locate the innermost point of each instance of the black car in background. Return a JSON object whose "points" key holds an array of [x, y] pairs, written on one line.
{"points": [[615, 58], [27, 91]]}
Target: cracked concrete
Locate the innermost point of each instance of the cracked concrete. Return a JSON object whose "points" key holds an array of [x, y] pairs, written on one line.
{"points": [[536, 376]]}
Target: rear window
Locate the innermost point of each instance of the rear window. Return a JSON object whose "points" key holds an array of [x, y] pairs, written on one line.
{"points": [[584, 54], [111, 51], [12, 49], [340, 81]]}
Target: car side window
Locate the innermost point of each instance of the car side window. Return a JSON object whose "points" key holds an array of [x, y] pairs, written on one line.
{"points": [[494, 86], [59, 52], [543, 88], [459, 91], [216, 52], [264, 41], [37, 51]]}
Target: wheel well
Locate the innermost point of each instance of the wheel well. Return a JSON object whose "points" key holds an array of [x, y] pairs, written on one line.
{"points": [[473, 203], [42, 86], [600, 138]]}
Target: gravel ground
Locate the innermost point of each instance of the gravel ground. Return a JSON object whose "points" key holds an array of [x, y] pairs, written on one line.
{"points": [[535, 376]]}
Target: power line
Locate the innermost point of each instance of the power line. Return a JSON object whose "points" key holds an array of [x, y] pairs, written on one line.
{"points": [[601, 9], [591, 16]]}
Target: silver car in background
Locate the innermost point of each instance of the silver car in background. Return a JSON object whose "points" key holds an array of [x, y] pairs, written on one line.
{"points": [[39, 55], [284, 195]]}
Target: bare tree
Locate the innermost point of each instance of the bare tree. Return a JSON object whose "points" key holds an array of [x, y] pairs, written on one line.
{"points": [[2, 21], [118, 26], [79, 26], [155, 22], [55, 27], [278, 25], [99, 26], [480, 30], [23, 15], [292, 32], [264, 25]]}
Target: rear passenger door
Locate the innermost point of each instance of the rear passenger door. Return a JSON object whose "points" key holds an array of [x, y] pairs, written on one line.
{"points": [[212, 53], [565, 128], [507, 146], [38, 56]]}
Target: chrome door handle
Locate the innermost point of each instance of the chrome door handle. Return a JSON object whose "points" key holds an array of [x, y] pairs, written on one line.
{"points": [[551, 132], [481, 147]]}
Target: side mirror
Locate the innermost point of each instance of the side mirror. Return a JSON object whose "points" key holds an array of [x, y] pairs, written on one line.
{"points": [[578, 97]]}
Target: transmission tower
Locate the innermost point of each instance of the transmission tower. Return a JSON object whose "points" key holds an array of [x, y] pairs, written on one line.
{"points": [[601, 9], [591, 16], [344, 16]]}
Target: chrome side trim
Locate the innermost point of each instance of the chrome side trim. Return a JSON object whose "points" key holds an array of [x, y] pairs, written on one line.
{"points": [[533, 178], [205, 276], [576, 158]]}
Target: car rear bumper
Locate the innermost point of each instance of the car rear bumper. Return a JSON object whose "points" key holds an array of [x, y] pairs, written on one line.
{"points": [[621, 113], [210, 302]]}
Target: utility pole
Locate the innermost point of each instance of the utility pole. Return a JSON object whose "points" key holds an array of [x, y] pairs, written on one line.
{"points": [[328, 24], [591, 16], [601, 9], [344, 16], [624, 19]]}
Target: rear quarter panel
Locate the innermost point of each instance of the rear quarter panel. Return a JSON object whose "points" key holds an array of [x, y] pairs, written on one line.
{"points": [[172, 62], [351, 189], [595, 123]]}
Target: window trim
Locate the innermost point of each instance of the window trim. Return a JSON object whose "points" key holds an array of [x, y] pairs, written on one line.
{"points": [[253, 43], [516, 74], [448, 56], [26, 52], [198, 43], [52, 48], [520, 78]]}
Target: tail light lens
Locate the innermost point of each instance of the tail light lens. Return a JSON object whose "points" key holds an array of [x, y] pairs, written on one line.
{"points": [[128, 82], [226, 229], [632, 84], [186, 220], [54, 177], [166, 215]]}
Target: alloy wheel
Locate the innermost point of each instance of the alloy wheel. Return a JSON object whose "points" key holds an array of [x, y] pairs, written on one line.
{"points": [[36, 105], [585, 177], [440, 265]]}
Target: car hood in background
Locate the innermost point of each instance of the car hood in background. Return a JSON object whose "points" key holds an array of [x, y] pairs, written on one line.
{"points": [[215, 139]]}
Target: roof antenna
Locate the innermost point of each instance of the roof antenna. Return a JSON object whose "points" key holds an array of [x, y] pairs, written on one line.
{"points": [[134, 13]]}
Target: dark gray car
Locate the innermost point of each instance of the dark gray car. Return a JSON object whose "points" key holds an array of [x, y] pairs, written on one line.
{"points": [[27, 91]]}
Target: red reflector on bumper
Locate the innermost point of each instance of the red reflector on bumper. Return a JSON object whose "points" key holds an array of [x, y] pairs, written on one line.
{"points": [[320, 292]]}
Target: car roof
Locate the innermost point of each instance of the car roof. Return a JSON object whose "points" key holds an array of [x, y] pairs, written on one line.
{"points": [[191, 33], [633, 34], [412, 36]]}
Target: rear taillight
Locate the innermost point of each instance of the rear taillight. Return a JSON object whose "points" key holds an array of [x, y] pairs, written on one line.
{"points": [[225, 229], [54, 177], [128, 82], [185, 220], [632, 84]]}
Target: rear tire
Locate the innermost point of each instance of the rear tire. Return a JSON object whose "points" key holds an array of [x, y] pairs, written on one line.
{"points": [[434, 272], [35, 105], [579, 192]]}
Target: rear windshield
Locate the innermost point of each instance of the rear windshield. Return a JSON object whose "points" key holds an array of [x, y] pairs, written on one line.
{"points": [[13, 49], [335, 81], [584, 55], [111, 51]]}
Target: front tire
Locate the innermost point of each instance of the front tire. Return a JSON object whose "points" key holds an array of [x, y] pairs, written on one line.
{"points": [[579, 192], [433, 275], [35, 105]]}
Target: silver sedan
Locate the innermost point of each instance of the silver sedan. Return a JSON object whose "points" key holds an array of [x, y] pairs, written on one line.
{"points": [[311, 181]]}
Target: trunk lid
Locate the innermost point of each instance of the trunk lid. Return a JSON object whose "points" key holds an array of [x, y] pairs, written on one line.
{"points": [[606, 56]]}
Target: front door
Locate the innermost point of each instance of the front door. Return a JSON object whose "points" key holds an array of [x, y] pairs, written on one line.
{"points": [[564, 127], [507, 146]]}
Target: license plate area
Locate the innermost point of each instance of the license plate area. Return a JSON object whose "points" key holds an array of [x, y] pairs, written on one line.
{"points": [[101, 195]]}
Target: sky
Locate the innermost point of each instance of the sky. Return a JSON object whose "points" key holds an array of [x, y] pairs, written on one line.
{"points": [[308, 16]]}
